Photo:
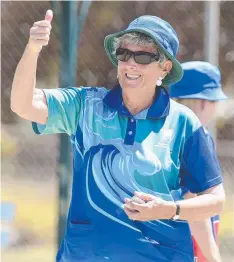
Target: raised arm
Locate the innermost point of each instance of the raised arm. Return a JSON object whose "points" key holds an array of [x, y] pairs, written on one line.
{"points": [[27, 101]]}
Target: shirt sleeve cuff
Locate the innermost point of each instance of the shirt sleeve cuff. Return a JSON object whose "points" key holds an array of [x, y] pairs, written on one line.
{"points": [[38, 128], [214, 182], [45, 128]]}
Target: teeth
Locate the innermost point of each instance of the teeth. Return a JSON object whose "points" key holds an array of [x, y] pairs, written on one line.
{"points": [[133, 77]]}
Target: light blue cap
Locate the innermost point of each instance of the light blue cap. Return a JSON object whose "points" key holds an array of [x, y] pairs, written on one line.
{"points": [[201, 80]]}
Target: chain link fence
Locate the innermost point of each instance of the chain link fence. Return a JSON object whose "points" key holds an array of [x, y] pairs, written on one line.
{"points": [[29, 163]]}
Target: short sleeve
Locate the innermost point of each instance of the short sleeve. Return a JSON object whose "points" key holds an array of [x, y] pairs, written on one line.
{"points": [[200, 169], [64, 105]]}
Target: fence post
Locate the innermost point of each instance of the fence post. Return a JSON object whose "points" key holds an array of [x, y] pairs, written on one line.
{"points": [[70, 24], [211, 41]]}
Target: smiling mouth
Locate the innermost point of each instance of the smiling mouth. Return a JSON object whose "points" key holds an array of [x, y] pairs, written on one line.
{"points": [[132, 77]]}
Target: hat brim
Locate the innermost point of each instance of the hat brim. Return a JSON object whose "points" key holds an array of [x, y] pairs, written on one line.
{"points": [[212, 94], [172, 77]]}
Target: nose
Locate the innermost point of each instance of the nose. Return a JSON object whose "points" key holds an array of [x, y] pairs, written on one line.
{"points": [[132, 62]]}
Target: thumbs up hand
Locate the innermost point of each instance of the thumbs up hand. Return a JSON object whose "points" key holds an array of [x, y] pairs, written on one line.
{"points": [[40, 33]]}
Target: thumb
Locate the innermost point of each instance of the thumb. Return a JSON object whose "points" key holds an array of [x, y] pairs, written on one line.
{"points": [[49, 15]]}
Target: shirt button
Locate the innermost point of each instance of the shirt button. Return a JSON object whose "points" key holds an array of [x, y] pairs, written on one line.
{"points": [[130, 132], [132, 120]]}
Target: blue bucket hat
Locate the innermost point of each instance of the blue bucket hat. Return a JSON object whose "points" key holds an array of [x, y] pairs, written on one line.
{"points": [[163, 35], [201, 80]]}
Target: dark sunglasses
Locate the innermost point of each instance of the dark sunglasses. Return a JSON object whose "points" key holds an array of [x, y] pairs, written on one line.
{"points": [[140, 57]]}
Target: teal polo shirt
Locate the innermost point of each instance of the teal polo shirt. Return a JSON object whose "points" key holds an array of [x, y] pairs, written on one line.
{"points": [[115, 153]]}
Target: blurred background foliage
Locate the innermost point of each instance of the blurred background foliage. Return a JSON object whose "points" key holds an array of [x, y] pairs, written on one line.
{"points": [[29, 179]]}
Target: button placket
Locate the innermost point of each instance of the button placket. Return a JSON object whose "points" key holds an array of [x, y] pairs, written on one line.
{"points": [[130, 132]]}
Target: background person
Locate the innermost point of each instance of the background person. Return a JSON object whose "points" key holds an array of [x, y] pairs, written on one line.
{"points": [[200, 89]]}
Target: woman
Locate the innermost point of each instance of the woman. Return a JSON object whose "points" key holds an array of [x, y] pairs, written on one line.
{"points": [[200, 89], [132, 138]]}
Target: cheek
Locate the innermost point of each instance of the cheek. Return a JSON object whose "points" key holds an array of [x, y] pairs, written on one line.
{"points": [[120, 67], [210, 113], [212, 108], [213, 111], [152, 75]]}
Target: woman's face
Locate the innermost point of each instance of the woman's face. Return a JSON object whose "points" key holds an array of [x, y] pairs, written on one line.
{"points": [[138, 77]]}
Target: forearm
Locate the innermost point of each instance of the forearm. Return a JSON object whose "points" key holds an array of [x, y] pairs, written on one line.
{"points": [[24, 81], [201, 207], [203, 234]]}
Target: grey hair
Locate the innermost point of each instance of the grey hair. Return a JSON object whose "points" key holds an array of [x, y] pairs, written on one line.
{"points": [[137, 38]]}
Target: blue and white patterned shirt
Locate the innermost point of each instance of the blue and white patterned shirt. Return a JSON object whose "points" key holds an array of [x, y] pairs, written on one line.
{"points": [[114, 154]]}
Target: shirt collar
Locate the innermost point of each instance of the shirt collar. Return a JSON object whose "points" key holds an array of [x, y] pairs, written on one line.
{"points": [[159, 109]]}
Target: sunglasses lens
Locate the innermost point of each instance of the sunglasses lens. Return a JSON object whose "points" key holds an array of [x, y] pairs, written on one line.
{"points": [[145, 59], [121, 54], [142, 59]]}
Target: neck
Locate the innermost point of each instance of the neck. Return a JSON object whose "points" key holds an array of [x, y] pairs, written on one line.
{"points": [[136, 102]]}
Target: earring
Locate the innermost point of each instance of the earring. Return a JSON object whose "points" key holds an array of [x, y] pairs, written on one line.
{"points": [[159, 81]]}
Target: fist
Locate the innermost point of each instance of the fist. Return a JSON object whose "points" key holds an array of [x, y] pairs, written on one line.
{"points": [[40, 33], [138, 200]]}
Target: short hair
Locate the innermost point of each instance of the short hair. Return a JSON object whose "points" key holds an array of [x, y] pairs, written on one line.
{"points": [[137, 38]]}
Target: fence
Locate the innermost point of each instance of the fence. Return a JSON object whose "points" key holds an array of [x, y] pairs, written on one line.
{"points": [[29, 163]]}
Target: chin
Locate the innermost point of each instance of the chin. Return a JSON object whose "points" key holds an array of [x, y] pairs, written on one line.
{"points": [[131, 86]]}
